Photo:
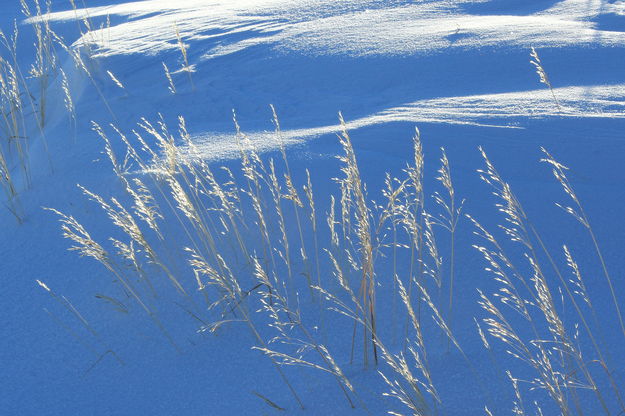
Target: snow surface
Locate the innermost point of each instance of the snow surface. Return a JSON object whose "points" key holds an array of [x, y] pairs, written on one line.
{"points": [[459, 70]]}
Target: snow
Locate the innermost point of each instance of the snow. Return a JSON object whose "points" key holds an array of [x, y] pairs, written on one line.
{"points": [[322, 28], [457, 70]]}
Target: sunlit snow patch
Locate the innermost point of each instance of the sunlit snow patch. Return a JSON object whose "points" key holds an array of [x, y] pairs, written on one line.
{"points": [[325, 27], [503, 110]]}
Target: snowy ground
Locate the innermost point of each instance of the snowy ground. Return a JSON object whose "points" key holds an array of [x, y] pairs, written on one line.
{"points": [[459, 70]]}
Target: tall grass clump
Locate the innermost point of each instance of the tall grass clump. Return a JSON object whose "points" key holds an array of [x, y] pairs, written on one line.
{"points": [[243, 244], [24, 99], [26, 78], [528, 313], [253, 243]]}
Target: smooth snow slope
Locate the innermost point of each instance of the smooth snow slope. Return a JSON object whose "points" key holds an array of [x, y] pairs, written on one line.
{"points": [[459, 70]]}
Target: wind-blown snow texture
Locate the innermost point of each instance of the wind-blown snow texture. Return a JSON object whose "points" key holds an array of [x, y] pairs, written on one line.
{"points": [[459, 70]]}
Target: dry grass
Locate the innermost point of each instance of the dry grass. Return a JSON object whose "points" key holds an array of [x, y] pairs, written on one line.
{"points": [[239, 242], [24, 91]]}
